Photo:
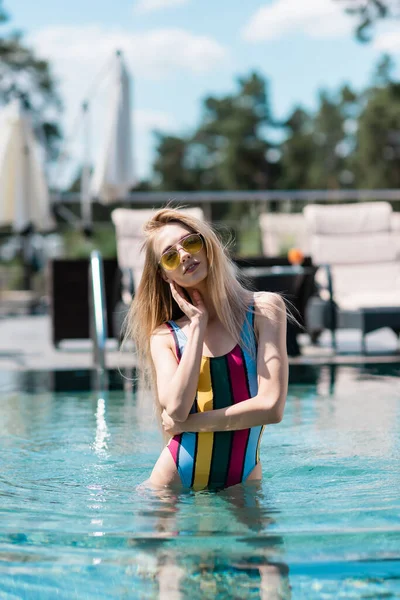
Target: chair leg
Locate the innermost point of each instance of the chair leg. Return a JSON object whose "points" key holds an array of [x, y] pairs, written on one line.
{"points": [[363, 344], [334, 343], [398, 340]]}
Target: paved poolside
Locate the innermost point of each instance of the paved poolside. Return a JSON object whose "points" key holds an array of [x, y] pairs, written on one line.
{"points": [[25, 344]]}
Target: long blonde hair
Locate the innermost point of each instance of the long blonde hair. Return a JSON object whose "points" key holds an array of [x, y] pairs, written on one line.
{"points": [[153, 304]]}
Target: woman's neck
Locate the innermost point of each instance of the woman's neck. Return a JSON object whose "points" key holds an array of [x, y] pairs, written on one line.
{"points": [[202, 287]]}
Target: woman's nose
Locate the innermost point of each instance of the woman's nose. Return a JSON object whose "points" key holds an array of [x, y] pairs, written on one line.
{"points": [[183, 254]]}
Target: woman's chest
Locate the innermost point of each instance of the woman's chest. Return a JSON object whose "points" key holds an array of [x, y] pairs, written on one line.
{"points": [[223, 381], [217, 340]]}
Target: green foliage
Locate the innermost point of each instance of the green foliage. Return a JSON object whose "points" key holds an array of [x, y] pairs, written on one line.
{"points": [[368, 13], [3, 14], [249, 240], [171, 168], [377, 158], [232, 140], [23, 75], [351, 140], [228, 150], [317, 153], [79, 246], [328, 133], [384, 71], [298, 151]]}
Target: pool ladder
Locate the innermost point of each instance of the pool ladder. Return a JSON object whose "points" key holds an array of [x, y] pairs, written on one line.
{"points": [[98, 317]]}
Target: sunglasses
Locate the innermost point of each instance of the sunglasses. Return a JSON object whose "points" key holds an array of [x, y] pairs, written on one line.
{"points": [[191, 243]]}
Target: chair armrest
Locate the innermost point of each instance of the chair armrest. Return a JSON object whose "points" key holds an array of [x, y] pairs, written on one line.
{"points": [[331, 299], [328, 297]]}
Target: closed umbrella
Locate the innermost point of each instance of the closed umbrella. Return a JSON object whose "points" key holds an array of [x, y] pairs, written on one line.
{"points": [[113, 173], [24, 196]]}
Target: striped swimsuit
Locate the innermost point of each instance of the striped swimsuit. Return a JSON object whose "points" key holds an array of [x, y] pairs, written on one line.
{"points": [[217, 460]]}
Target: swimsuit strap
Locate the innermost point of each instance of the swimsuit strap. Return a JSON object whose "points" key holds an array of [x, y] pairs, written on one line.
{"points": [[179, 337], [248, 334]]}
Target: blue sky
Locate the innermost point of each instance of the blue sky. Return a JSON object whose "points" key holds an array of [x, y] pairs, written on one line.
{"points": [[179, 51]]}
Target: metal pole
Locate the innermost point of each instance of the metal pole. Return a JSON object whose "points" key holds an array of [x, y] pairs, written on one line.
{"points": [[26, 234], [98, 312], [86, 204]]}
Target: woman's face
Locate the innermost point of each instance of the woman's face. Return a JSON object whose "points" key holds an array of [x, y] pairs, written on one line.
{"points": [[192, 268]]}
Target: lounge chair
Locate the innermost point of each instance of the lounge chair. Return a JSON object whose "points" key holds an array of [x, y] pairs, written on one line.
{"points": [[358, 246], [281, 231], [129, 233]]}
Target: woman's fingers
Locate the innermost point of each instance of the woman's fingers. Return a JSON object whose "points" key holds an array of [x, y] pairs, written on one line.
{"points": [[197, 299], [192, 309], [174, 292], [177, 294]]}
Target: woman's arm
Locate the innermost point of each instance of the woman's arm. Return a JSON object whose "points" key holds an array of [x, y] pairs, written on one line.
{"points": [[177, 382], [272, 368]]}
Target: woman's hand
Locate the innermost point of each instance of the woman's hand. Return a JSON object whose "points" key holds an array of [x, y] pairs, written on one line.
{"points": [[196, 311], [170, 426]]}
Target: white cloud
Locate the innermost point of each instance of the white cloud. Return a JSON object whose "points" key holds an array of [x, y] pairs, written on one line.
{"points": [[153, 53], [79, 57], [388, 41], [315, 18], [152, 5]]}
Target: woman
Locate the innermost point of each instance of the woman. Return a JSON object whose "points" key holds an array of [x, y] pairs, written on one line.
{"points": [[215, 352]]}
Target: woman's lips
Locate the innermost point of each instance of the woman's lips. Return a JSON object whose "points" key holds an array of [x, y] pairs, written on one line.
{"points": [[192, 268]]}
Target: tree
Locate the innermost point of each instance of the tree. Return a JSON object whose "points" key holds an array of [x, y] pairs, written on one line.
{"points": [[351, 140], [297, 151], [24, 76], [318, 149], [171, 164], [384, 71], [369, 12], [335, 125], [377, 156], [228, 151], [231, 145]]}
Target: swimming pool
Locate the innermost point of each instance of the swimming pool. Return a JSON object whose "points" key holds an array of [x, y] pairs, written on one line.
{"points": [[323, 524]]}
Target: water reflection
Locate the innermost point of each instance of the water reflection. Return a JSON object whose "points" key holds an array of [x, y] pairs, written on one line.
{"points": [[208, 545], [102, 434], [360, 414]]}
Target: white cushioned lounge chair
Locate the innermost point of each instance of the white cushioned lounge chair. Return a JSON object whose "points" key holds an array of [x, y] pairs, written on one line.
{"points": [[358, 246]]}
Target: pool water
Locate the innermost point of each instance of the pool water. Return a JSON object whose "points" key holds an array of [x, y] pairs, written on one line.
{"points": [[324, 523]]}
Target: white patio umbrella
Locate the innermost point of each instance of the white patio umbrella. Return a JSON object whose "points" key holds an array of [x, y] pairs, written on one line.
{"points": [[113, 173], [24, 196]]}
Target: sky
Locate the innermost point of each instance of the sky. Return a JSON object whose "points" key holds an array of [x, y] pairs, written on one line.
{"points": [[180, 51]]}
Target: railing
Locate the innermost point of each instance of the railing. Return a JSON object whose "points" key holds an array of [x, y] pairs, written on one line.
{"points": [[244, 196], [98, 313], [286, 201]]}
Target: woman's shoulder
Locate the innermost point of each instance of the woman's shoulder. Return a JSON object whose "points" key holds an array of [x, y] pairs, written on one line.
{"points": [[165, 328], [269, 304], [161, 337]]}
